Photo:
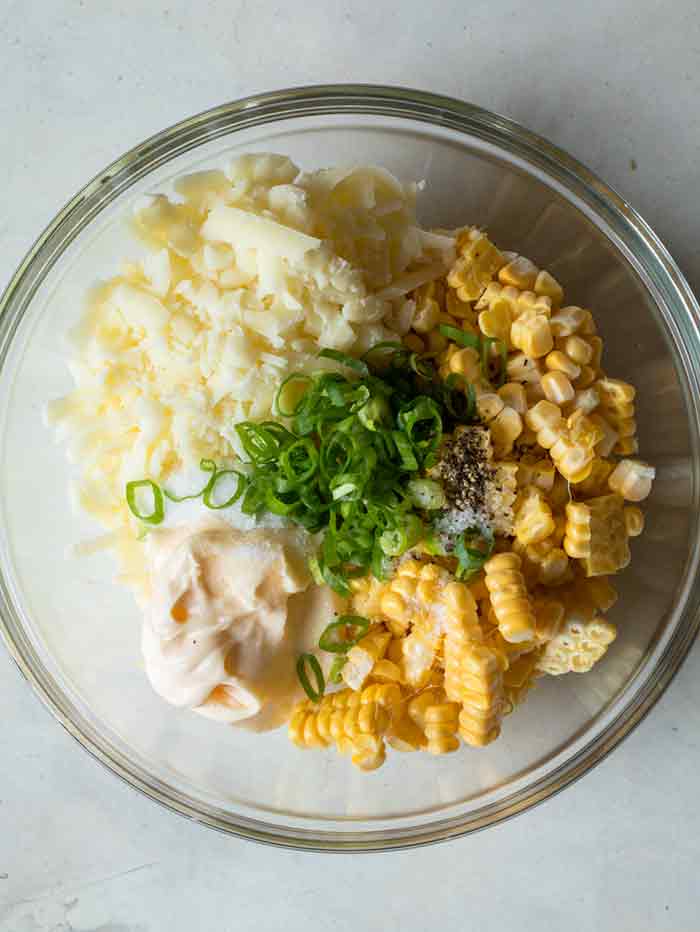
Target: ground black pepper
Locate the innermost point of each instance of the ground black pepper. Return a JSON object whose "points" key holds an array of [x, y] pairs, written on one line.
{"points": [[465, 470]]}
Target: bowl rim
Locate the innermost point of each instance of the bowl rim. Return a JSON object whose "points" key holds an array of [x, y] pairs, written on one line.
{"points": [[653, 260]]}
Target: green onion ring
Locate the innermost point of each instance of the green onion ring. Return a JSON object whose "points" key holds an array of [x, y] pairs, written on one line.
{"points": [[208, 493], [158, 513], [328, 640], [315, 695]]}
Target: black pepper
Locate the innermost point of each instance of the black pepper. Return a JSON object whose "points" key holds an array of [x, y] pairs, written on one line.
{"points": [[465, 470]]}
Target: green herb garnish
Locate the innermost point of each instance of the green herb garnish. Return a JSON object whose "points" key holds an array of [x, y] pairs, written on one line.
{"points": [[315, 695]]}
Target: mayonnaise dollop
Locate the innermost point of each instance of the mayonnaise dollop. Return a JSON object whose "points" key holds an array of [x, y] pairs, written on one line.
{"points": [[228, 614]]}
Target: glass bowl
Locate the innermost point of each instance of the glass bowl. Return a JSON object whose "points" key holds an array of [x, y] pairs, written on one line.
{"points": [[74, 632]]}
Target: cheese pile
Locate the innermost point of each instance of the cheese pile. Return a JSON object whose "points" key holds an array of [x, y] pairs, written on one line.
{"points": [[249, 273]]}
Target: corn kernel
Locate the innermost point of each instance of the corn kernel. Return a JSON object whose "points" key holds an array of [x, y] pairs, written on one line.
{"points": [[578, 350], [505, 430], [567, 321], [520, 273], [632, 479], [513, 395], [560, 362], [521, 368], [546, 284], [509, 597], [531, 333], [496, 322], [466, 362], [488, 406], [426, 317], [557, 388], [533, 518]]}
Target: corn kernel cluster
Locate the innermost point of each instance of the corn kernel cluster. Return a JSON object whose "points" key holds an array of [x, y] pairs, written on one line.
{"points": [[446, 660]]}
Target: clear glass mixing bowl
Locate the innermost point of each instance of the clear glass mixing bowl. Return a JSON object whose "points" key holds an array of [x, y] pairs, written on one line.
{"points": [[75, 633]]}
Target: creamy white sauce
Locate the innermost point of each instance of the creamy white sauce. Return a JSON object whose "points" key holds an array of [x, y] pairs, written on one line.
{"points": [[228, 614]]}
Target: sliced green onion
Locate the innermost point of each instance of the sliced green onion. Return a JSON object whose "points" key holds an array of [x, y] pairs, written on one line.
{"points": [[426, 494], [405, 451], [350, 361], [158, 512], [471, 559], [375, 414], [461, 337], [205, 466], [210, 488], [396, 541], [335, 674], [263, 442], [315, 695], [339, 636], [280, 406]]}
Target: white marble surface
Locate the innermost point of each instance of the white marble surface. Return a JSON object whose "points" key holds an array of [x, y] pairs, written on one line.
{"points": [[617, 84]]}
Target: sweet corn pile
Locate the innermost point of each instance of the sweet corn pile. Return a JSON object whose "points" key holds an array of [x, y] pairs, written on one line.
{"points": [[446, 659]]}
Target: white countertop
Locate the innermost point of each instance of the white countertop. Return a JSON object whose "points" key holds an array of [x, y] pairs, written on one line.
{"points": [[84, 81]]}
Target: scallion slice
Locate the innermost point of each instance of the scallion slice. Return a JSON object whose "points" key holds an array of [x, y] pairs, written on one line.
{"points": [[339, 636], [156, 515], [315, 695], [461, 337]]}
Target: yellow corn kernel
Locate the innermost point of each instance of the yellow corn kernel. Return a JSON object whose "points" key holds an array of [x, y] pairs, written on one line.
{"points": [[577, 349], [529, 301], [364, 655], [403, 734], [496, 321], [531, 334], [523, 369], [567, 321], [459, 309], [505, 430], [609, 436], [437, 719], [588, 327], [549, 615], [596, 534], [413, 342], [546, 420], [496, 294], [386, 671], [426, 317], [553, 568], [355, 722], [466, 362], [586, 400], [557, 388], [478, 682], [559, 362], [559, 494], [547, 285], [586, 378], [477, 263], [533, 518], [632, 479], [366, 596], [596, 483], [533, 471], [509, 598], [615, 392], [597, 346], [489, 405], [626, 446], [577, 647], [513, 395], [520, 273]]}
